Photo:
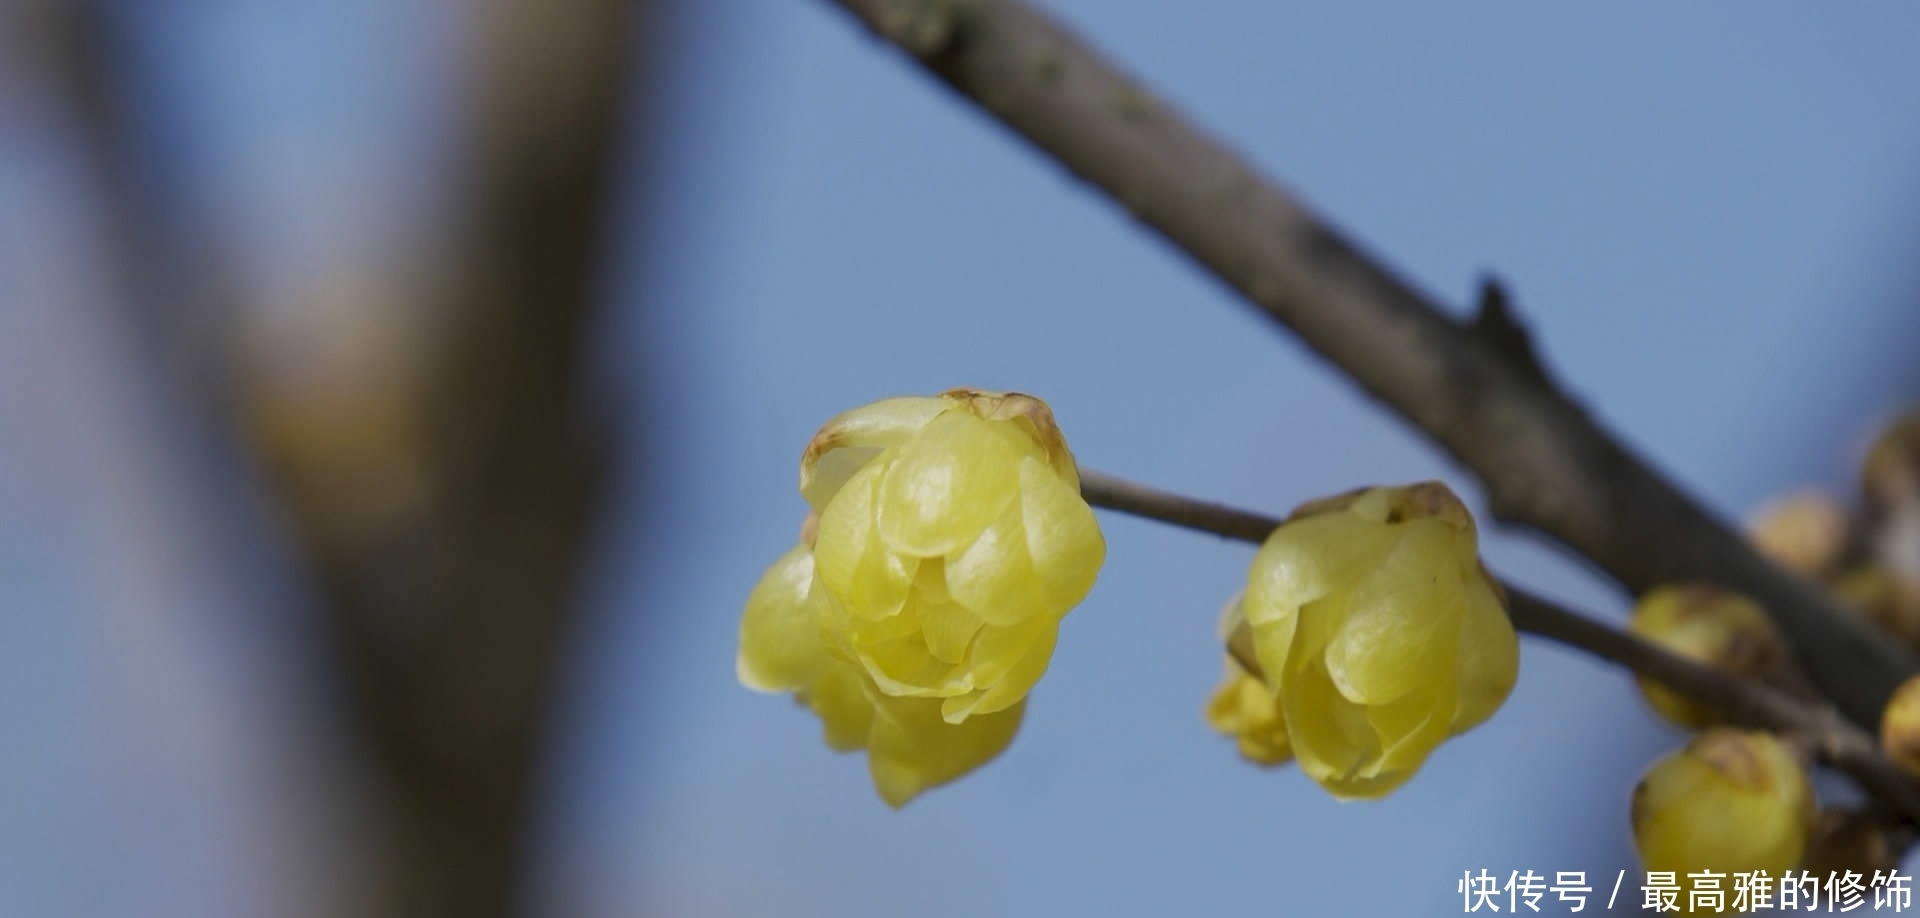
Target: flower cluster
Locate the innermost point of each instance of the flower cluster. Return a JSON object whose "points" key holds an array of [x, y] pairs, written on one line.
{"points": [[948, 540], [1735, 801], [1866, 553]]}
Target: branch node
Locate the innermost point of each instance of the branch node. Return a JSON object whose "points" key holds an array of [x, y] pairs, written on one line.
{"points": [[1501, 330]]}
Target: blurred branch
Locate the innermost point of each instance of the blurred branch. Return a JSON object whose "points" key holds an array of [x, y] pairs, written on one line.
{"points": [[1741, 700], [1475, 388], [449, 601]]}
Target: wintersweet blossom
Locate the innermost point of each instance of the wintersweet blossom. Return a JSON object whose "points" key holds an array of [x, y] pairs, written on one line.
{"points": [[953, 535], [1381, 631]]}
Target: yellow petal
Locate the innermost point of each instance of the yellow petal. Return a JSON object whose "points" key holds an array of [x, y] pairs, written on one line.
{"points": [[944, 486], [1243, 707], [1331, 735], [913, 750], [1730, 801], [868, 580], [1301, 640], [904, 666], [1310, 558], [848, 442], [839, 699], [1224, 712], [1007, 663], [1403, 621], [1489, 658], [1063, 538], [948, 626], [1371, 788], [1411, 728], [780, 643], [994, 576]]}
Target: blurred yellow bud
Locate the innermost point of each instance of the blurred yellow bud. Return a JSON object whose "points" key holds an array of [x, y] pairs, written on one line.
{"points": [[1900, 726], [1860, 840], [791, 640], [953, 537], [1383, 634], [1894, 543], [1712, 626], [1890, 476], [1244, 707], [1880, 597], [1730, 802], [1807, 532]]}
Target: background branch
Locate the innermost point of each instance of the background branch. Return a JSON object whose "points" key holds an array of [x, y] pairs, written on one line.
{"points": [[1740, 700], [443, 507], [1475, 388]]}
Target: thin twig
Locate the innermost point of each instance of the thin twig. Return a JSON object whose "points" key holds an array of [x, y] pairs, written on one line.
{"points": [[1476, 389], [1740, 700]]}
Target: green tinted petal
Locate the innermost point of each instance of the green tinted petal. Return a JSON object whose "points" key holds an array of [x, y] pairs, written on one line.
{"points": [[944, 486]]}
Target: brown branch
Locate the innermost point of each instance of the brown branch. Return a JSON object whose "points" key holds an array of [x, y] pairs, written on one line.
{"points": [[449, 563], [1742, 701], [1543, 460]]}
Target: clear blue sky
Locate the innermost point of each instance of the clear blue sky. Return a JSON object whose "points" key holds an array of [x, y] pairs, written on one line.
{"points": [[1703, 209]]}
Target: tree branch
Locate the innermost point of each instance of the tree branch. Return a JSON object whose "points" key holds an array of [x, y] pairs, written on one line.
{"points": [[443, 511], [1545, 463], [1741, 700]]}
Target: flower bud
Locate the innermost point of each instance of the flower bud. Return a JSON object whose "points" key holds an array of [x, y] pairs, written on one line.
{"points": [[1900, 726], [792, 640], [1384, 636], [1860, 840], [1244, 707], [1730, 802], [1890, 476], [1879, 597], [1806, 532], [1894, 543], [953, 535], [1712, 626]]}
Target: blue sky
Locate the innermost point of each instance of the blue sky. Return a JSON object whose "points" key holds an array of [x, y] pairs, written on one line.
{"points": [[1700, 208]]}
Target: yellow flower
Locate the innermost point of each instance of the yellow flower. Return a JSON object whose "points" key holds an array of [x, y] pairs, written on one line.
{"points": [[1712, 626], [953, 537], [790, 641], [1244, 706], [1730, 802], [1372, 616]]}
